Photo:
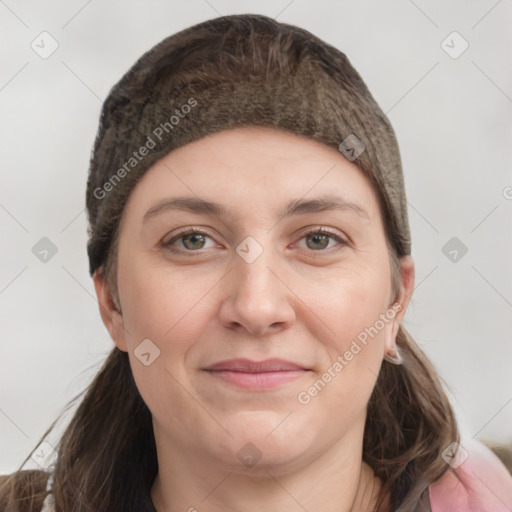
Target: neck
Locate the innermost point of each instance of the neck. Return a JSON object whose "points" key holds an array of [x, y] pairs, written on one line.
{"points": [[336, 481]]}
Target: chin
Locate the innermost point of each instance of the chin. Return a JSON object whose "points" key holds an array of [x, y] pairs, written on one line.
{"points": [[264, 440]]}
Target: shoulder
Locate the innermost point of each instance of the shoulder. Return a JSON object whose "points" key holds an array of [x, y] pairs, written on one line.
{"points": [[477, 481]]}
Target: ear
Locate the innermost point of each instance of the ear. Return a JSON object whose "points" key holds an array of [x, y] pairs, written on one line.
{"points": [[111, 317], [407, 273]]}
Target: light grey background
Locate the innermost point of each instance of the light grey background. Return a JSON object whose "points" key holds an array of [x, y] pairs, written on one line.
{"points": [[452, 119]]}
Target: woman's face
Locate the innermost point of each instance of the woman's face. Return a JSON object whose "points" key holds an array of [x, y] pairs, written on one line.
{"points": [[255, 288]]}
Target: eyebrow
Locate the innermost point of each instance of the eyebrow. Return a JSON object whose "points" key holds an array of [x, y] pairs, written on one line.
{"points": [[294, 207]]}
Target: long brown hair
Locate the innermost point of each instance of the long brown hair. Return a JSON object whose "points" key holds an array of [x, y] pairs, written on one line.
{"points": [[107, 455]]}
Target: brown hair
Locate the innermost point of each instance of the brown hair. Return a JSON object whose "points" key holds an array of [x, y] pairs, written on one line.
{"points": [[240, 70]]}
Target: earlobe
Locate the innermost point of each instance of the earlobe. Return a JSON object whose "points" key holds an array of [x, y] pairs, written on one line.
{"points": [[111, 317]]}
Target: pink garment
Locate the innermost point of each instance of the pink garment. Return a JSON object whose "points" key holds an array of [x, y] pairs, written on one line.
{"points": [[485, 484]]}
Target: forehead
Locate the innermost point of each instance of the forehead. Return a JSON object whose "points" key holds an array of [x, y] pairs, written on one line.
{"points": [[254, 170]]}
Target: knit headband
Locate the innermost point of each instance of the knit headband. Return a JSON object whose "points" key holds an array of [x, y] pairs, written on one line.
{"points": [[233, 71]]}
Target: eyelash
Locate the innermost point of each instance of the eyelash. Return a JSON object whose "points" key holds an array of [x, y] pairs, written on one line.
{"points": [[192, 230]]}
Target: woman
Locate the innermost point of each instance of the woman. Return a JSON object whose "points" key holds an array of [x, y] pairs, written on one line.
{"points": [[250, 250]]}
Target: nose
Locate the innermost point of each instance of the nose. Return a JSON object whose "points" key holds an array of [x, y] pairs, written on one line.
{"points": [[257, 299]]}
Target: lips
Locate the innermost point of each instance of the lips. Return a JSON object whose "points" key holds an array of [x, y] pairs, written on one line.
{"points": [[256, 375], [248, 366]]}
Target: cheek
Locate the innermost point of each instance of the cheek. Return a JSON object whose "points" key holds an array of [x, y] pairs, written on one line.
{"points": [[162, 305], [172, 311], [352, 303], [354, 309]]}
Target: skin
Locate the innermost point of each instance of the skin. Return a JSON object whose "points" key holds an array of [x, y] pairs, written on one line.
{"points": [[303, 299]]}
